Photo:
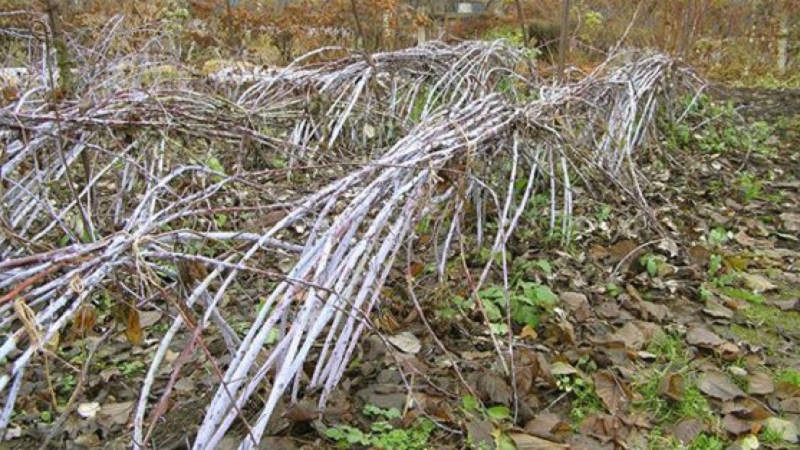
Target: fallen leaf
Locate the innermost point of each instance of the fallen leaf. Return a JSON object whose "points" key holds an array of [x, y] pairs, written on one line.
{"points": [[701, 337], [757, 283], [786, 429], [492, 388], [699, 255], [150, 318], [303, 411], [718, 385], [560, 368], [717, 310], [527, 442], [527, 332], [791, 405], [406, 342], [790, 222], [480, 434], [689, 429], [748, 443], [88, 410], [729, 351], [114, 414], [133, 327], [614, 394], [672, 387], [760, 383], [548, 425], [630, 335], [655, 311], [669, 246], [622, 250], [736, 426], [85, 319], [744, 240], [604, 427]]}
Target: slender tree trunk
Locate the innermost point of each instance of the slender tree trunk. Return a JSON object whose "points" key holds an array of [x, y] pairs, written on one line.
{"points": [[523, 24], [687, 28], [562, 42], [358, 24], [783, 43]]}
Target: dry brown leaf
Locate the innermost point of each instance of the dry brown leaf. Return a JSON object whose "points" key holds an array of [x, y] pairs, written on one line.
{"points": [[560, 368], [604, 427], [133, 327], [598, 252], [749, 409], [718, 385], [760, 383], [687, 430], [655, 311], [527, 442], [611, 390], [699, 255], [494, 389], [737, 426], [480, 433], [757, 283], [415, 268], [406, 342], [791, 222], [630, 335], [85, 319], [114, 414], [702, 337], [791, 405], [527, 332], [150, 318], [788, 430], [729, 351], [672, 387], [304, 410], [546, 425], [622, 250], [717, 310]]}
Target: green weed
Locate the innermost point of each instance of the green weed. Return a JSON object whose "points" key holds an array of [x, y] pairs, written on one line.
{"points": [[382, 434]]}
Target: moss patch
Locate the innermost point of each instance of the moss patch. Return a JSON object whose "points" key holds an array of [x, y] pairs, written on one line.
{"points": [[768, 327]]}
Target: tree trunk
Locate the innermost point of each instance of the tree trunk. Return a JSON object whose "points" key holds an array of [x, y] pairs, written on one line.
{"points": [[783, 43], [562, 42]]}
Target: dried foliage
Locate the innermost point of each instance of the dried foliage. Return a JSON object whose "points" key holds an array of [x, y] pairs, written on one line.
{"points": [[160, 189]]}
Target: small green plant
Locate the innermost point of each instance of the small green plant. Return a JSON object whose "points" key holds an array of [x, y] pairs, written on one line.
{"points": [[527, 301], [130, 368], [718, 236], [707, 442], [743, 294], [584, 398], [604, 213], [789, 376], [658, 441], [750, 186], [613, 290], [711, 127], [382, 434], [692, 404], [770, 437], [653, 264], [67, 384]]}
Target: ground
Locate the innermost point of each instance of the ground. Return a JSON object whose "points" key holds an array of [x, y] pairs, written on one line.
{"points": [[680, 335]]}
